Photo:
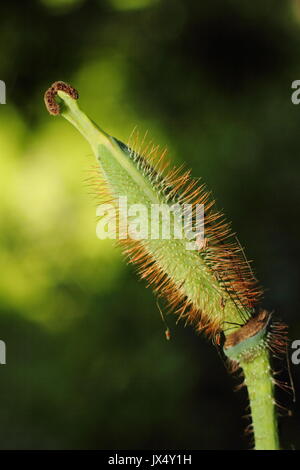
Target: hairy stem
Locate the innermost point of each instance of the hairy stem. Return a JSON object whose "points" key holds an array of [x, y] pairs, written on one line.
{"points": [[260, 384]]}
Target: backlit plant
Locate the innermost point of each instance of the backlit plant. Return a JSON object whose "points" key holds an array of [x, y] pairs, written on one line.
{"points": [[212, 287]]}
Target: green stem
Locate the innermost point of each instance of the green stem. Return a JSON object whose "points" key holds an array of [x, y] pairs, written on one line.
{"points": [[260, 385], [86, 127]]}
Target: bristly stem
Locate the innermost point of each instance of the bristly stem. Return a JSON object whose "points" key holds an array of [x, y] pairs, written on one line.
{"points": [[260, 384]]}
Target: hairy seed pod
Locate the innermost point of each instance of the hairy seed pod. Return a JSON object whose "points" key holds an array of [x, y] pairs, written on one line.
{"points": [[211, 286]]}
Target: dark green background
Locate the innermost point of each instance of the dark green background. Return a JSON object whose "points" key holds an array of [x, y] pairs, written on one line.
{"points": [[88, 365]]}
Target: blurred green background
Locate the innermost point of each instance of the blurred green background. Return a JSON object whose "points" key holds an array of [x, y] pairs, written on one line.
{"points": [[88, 366]]}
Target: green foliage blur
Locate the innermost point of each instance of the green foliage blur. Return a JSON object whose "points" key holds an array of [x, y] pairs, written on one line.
{"points": [[88, 365]]}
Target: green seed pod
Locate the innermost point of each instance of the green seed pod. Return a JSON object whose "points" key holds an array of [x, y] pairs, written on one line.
{"points": [[211, 285]]}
